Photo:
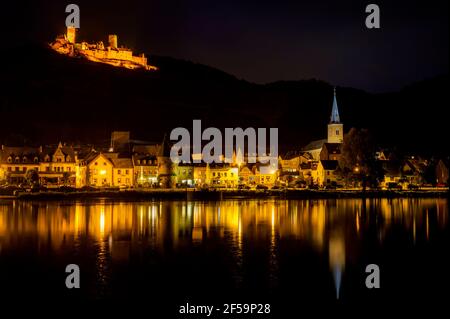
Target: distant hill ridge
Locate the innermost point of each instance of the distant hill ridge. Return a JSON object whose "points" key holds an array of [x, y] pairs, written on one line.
{"points": [[47, 97]]}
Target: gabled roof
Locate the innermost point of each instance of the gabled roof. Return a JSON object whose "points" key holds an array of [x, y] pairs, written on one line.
{"points": [[29, 152], [68, 151], [149, 149], [314, 145], [122, 162], [150, 160], [94, 155]]}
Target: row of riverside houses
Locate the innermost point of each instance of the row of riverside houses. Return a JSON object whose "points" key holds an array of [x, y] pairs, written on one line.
{"points": [[130, 163], [318, 163], [125, 164]]}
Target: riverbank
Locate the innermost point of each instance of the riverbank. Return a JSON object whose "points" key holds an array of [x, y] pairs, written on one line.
{"points": [[191, 194]]}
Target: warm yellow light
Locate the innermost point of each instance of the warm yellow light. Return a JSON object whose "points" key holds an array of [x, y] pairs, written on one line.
{"points": [[103, 172]]}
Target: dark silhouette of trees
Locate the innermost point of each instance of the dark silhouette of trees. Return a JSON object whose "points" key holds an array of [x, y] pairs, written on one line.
{"points": [[32, 177], [358, 160]]}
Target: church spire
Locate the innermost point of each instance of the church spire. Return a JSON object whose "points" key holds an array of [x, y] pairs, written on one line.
{"points": [[334, 112]]}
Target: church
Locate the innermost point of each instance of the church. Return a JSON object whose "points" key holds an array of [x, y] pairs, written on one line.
{"points": [[327, 152], [329, 148]]}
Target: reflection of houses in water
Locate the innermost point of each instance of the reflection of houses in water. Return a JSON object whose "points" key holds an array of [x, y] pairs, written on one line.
{"points": [[123, 227]]}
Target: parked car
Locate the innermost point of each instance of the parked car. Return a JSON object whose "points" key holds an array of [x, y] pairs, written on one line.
{"points": [[260, 186]]}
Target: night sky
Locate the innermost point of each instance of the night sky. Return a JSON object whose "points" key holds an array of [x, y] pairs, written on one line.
{"points": [[261, 41]]}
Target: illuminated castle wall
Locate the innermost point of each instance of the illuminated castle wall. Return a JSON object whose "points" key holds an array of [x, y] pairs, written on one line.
{"points": [[111, 54]]}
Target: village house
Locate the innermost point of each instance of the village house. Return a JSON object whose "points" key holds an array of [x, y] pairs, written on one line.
{"points": [[331, 151], [246, 175], [290, 173], [184, 174], [99, 171], [145, 170], [222, 175], [326, 173], [309, 172], [55, 166], [265, 174]]}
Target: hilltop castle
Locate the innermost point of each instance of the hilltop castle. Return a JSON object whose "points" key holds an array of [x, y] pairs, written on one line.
{"points": [[111, 54]]}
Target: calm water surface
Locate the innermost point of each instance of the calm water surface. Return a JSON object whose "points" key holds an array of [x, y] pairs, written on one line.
{"points": [[276, 251]]}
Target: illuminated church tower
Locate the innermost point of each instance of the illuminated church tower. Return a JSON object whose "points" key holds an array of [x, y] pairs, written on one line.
{"points": [[335, 127]]}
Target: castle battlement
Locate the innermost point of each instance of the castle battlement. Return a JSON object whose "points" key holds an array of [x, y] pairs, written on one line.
{"points": [[112, 54]]}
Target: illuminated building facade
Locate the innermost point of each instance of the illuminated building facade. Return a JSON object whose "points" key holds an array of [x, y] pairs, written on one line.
{"points": [[111, 54], [53, 165]]}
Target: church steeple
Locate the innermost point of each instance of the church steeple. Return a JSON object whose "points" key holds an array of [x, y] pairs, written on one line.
{"points": [[334, 111], [335, 127]]}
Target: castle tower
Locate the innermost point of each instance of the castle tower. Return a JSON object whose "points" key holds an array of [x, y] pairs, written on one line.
{"points": [[120, 141], [335, 127], [71, 34], [112, 40]]}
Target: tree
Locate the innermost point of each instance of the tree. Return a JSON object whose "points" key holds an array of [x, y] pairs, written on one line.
{"points": [[32, 177], [358, 161]]}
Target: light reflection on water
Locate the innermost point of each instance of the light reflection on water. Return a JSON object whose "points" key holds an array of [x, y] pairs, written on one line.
{"points": [[333, 228]]}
